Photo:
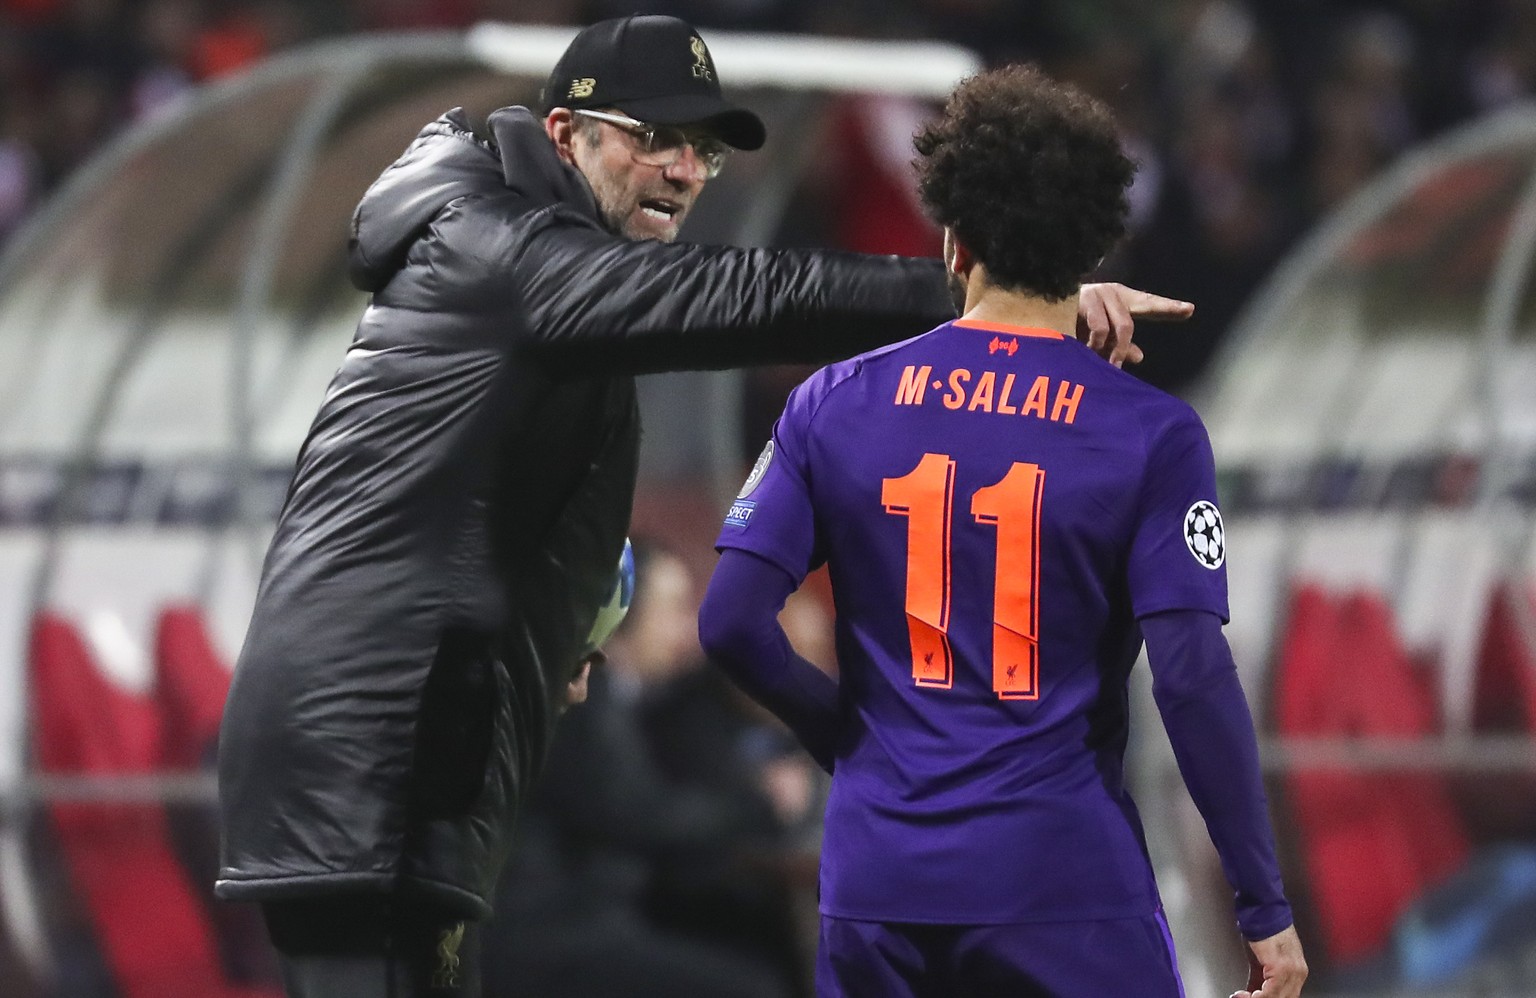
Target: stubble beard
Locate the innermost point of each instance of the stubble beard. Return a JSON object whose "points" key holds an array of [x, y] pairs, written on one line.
{"points": [[617, 209], [619, 218], [956, 290]]}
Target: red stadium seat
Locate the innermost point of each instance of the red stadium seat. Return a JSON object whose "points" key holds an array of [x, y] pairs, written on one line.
{"points": [[1370, 841], [1506, 686], [191, 683], [151, 928], [1500, 806]]}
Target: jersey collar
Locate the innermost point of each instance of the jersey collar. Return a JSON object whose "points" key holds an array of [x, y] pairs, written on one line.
{"points": [[1007, 330]]}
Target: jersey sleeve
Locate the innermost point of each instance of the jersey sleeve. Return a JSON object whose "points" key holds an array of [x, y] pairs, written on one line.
{"points": [[773, 516], [739, 629], [1195, 684], [1178, 550]]}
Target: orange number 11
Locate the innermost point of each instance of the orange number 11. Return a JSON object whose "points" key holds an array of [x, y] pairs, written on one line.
{"points": [[925, 496]]}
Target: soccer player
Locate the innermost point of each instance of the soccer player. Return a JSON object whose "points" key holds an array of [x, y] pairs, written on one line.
{"points": [[1005, 519]]}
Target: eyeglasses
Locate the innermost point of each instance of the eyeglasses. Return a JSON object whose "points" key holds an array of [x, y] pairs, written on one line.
{"points": [[661, 145]]}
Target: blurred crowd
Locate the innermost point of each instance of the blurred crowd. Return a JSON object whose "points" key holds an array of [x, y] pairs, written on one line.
{"points": [[1250, 120]]}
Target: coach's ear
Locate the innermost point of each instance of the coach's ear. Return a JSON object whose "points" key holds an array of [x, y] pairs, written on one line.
{"points": [[560, 126]]}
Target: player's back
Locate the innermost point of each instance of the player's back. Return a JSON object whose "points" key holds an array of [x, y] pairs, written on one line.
{"points": [[978, 493]]}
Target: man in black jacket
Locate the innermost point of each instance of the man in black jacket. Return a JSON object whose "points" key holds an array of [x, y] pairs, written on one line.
{"points": [[465, 489]]}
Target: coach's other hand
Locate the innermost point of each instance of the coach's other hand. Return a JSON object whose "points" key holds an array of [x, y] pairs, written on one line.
{"points": [[576, 687], [1107, 314], [1276, 967]]}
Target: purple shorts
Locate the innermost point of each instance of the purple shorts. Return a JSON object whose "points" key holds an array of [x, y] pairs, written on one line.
{"points": [[1113, 957]]}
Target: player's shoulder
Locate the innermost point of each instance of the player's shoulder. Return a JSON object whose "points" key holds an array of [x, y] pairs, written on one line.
{"points": [[1160, 417], [1155, 404], [815, 390], [1169, 424], [871, 361]]}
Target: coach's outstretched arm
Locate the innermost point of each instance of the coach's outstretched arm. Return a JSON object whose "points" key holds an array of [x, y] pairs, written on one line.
{"points": [[595, 304], [509, 235], [1201, 700]]}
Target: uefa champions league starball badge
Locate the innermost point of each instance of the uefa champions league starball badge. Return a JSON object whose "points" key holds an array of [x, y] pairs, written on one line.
{"points": [[759, 469], [1204, 534]]}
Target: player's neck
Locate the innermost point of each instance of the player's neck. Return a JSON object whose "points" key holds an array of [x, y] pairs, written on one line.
{"points": [[986, 302]]}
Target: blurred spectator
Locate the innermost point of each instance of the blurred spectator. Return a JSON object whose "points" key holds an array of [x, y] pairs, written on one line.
{"points": [[1502, 69], [20, 171], [247, 33], [166, 32], [707, 736], [609, 824], [86, 36], [1360, 109]]}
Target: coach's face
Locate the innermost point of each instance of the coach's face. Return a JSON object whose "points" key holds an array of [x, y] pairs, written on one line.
{"points": [[637, 200]]}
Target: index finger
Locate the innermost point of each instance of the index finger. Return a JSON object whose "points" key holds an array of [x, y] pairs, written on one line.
{"points": [[1156, 308]]}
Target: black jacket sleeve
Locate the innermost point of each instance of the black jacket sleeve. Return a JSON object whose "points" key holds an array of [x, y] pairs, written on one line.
{"points": [[503, 238], [604, 305]]}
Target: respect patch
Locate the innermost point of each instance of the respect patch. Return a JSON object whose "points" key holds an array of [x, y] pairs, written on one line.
{"points": [[740, 513]]}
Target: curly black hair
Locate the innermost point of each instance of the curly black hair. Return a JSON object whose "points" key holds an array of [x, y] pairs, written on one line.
{"points": [[1029, 174]]}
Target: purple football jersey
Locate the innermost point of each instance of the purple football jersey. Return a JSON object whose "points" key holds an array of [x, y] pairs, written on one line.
{"points": [[996, 507]]}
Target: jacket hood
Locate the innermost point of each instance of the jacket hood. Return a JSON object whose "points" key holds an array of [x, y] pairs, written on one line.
{"points": [[448, 161]]}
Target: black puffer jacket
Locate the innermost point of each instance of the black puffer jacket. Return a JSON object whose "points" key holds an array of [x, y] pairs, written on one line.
{"points": [[462, 498]]}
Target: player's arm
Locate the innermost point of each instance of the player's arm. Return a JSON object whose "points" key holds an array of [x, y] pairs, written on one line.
{"points": [[768, 544], [1276, 966], [1178, 587], [1200, 698], [739, 630]]}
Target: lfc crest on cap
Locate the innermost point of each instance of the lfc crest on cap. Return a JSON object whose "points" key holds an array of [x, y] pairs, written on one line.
{"points": [[701, 67]]}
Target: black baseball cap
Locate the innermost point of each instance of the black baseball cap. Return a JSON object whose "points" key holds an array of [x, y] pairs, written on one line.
{"points": [[653, 68]]}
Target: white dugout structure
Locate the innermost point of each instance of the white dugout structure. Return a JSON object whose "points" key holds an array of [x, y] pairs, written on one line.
{"points": [[1375, 434], [169, 322], [1372, 413]]}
